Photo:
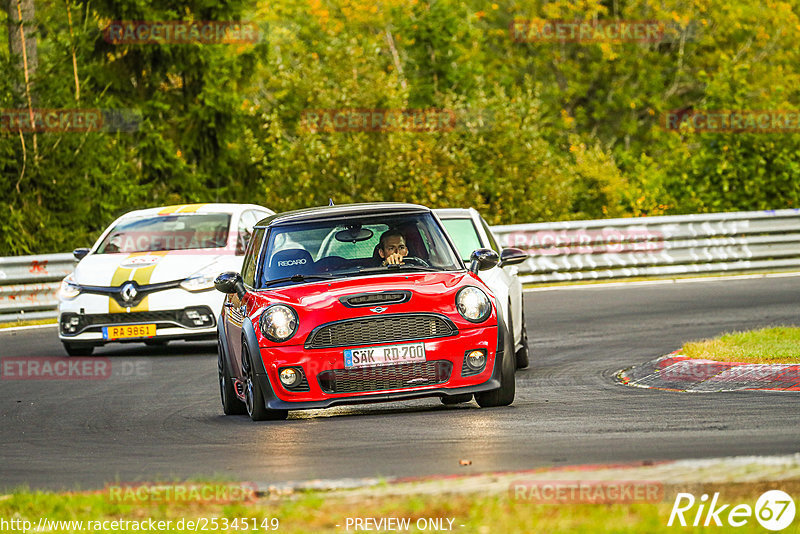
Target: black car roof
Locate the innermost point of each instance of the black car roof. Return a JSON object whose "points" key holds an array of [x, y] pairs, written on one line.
{"points": [[342, 210]]}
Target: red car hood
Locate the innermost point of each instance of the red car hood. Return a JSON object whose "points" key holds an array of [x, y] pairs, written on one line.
{"points": [[318, 303]]}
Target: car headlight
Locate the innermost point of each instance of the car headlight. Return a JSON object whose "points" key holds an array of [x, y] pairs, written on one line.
{"points": [[278, 323], [69, 289], [199, 282], [473, 304]]}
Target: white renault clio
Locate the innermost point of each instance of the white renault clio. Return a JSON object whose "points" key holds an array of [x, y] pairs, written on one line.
{"points": [[150, 276]]}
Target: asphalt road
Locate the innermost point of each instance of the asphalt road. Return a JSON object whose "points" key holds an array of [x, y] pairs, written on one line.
{"points": [[158, 415]]}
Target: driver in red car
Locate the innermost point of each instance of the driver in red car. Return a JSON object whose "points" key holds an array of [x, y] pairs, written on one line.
{"points": [[392, 247]]}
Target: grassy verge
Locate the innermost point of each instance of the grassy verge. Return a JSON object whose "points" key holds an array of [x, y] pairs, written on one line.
{"points": [[329, 512], [32, 322], [768, 345]]}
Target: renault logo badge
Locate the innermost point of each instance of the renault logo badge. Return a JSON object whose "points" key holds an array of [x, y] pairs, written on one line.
{"points": [[128, 291]]}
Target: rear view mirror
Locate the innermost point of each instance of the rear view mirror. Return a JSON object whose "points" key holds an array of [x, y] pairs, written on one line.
{"points": [[80, 253], [230, 282], [512, 256], [482, 259]]}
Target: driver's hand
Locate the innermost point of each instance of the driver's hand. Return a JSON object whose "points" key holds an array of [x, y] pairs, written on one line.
{"points": [[394, 259]]}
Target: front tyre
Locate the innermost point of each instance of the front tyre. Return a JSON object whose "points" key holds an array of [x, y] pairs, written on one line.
{"points": [[78, 350], [523, 354], [254, 396], [504, 395], [231, 405]]}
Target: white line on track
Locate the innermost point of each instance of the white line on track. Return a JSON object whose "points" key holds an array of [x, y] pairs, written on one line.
{"points": [[601, 285], [30, 327]]}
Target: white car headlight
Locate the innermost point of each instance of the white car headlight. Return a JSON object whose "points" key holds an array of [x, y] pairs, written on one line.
{"points": [[199, 282], [278, 323], [473, 304], [69, 289]]}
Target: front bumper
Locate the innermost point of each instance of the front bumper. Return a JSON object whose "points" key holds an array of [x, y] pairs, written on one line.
{"points": [[184, 316], [317, 364]]}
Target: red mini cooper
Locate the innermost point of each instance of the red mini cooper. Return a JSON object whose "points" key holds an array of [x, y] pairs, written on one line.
{"points": [[354, 304]]}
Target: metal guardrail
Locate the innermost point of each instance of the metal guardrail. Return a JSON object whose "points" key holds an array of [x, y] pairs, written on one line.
{"points": [[560, 251], [29, 284], [656, 246]]}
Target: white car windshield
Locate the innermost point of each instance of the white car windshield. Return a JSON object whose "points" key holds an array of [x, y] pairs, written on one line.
{"points": [[337, 248], [167, 232]]}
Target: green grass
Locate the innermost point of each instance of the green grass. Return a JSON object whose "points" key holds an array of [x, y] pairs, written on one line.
{"points": [[322, 512], [32, 322], [769, 345]]}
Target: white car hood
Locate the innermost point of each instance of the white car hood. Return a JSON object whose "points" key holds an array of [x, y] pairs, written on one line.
{"points": [[109, 270]]}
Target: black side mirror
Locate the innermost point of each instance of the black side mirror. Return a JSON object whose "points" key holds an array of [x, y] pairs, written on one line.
{"points": [[512, 256], [230, 282], [482, 259], [80, 253]]}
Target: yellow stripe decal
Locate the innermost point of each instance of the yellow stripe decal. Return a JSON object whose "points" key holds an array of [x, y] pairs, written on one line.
{"points": [[141, 275], [181, 208]]}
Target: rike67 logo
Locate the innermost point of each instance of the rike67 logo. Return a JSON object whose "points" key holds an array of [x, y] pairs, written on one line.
{"points": [[774, 511]]}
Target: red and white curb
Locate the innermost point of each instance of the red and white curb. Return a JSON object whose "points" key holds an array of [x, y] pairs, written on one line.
{"points": [[676, 372]]}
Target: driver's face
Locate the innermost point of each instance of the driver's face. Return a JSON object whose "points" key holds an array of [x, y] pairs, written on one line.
{"points": [[394, 245]]}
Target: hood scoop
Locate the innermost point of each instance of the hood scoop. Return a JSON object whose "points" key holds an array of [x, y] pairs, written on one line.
{"points": [[371, 299]]}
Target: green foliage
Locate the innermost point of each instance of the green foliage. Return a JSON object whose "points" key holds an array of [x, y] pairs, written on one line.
{"points": [[543, 131]]}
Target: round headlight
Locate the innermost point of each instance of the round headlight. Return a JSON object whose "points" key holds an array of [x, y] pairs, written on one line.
{"points": [[278, 323], [473, 304]]}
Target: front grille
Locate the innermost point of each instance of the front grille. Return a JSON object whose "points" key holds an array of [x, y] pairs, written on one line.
{"points": [[369, 330], [386, 377], [132, 317]]}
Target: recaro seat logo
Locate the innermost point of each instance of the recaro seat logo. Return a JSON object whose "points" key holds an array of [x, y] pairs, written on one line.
{"points": [[289, 263], [774, 510]]}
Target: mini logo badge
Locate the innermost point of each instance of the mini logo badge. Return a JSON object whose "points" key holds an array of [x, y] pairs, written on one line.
{"points": [[378, 309], [128, 292]]}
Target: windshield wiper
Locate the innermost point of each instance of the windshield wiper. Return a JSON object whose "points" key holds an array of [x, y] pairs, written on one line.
{"points": [[299, 278]]}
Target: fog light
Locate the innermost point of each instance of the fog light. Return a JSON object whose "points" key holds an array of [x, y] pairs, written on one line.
{"points": [[289, 377], [476, 359]]}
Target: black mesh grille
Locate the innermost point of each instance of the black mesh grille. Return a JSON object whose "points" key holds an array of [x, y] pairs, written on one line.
{"points": [[386, 377], [380, 330]]}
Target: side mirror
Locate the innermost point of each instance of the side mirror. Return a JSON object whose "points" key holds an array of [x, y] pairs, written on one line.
{"points": [[80, 253], [482, 259], [230, 282], [512, 256]]}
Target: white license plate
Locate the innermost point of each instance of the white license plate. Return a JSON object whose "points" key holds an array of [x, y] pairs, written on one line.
{"points": [[385, 355]]}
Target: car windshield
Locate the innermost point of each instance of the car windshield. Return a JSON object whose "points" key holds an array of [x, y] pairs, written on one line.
{"points": [[167, 232], [464, 235], [338, 248]]}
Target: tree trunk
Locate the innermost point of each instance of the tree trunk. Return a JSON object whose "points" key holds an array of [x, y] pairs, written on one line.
{"points": [[27, 58]]}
